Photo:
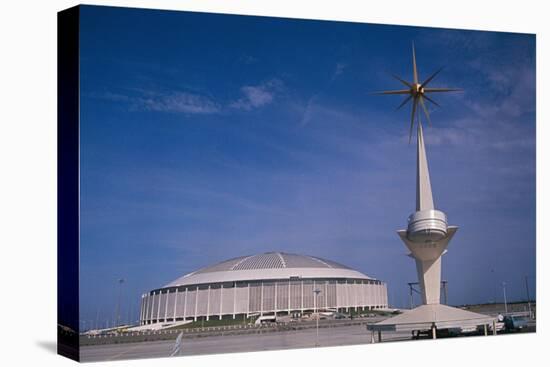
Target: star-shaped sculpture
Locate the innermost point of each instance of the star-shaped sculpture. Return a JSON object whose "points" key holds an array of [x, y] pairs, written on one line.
{"points": [[418, 93]]}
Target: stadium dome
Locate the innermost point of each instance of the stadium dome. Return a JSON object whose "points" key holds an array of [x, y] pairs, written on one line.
{"points": [[271, 283]]}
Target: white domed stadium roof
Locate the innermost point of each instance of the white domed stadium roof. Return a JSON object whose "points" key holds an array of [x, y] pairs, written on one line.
{"points": [[270, 265]]}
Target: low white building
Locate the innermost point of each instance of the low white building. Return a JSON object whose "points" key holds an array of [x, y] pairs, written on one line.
{"points": [[271, 283]]}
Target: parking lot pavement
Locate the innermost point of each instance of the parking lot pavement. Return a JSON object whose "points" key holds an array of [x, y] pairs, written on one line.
{"points": [[303, 338], [346, 335]]}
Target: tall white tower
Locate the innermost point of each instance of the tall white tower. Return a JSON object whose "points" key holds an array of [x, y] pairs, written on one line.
{"points": [[427, 235]]}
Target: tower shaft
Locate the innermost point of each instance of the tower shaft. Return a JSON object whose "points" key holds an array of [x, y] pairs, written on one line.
{"points": [[429, 278], [427, 234], [424, 198]]}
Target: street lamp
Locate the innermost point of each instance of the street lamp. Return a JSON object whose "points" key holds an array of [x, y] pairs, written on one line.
{"points": [[493, 286], [120, 281], [505, 302], [316, 291], [528, 297]]}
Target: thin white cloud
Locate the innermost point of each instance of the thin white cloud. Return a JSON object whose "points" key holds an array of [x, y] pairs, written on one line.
{"points": [[174, 101], [340, 67], [252, 97], [248, 59], [256, 96], [179, 102], [308, 110]]}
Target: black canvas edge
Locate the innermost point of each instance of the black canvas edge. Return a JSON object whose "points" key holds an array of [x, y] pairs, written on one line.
{"points": [[68, 216]]}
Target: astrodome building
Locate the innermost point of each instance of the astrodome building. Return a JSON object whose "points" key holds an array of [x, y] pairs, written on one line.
{"points": [[274, 283]]}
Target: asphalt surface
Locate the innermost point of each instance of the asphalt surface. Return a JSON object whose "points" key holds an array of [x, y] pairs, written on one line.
{"points": [[304, 338], [345, 335]]}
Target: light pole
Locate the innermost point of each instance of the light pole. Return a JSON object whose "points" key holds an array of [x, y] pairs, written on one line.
{"points": [[316, 291], [528, 297], [120, 281], [505, 302], [493, 286]]}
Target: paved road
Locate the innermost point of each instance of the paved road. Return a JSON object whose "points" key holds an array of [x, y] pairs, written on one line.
{"points": [[346, 335], [305, 338]]}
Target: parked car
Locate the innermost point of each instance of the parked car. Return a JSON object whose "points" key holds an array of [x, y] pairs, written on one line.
{"points": [[515, 323], [339, 315]]}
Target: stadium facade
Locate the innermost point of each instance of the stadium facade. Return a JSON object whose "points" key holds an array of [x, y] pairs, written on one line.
{"points": [[273, 283]]}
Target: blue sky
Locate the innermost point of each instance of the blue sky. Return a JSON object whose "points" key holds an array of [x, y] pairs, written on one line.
{"points": [[205, 137]]}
